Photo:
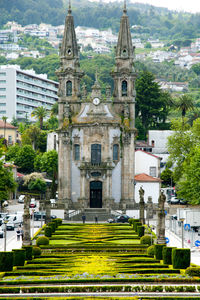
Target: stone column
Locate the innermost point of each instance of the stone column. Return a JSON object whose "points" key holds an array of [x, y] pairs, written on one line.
{"points": [[26, 240], [161, 219], [149, 208], [141, 205]]}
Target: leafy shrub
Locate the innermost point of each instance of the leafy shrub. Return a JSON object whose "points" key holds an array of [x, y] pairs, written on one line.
{"points": [[42, 240], [47, 231], [36, 251], [193, 271], [53, 226], [6, 261], [55, 222], [140, 230], [28, 250], [180, 258], [19, 256], [146, 239], [167, 255], [136, 224], [158, 251], [59, 221], [131, 221], [151, 250]]}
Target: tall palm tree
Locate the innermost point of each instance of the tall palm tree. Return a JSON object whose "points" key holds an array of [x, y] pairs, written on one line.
{"points": [[184, 104], [40, 113], [54, 109]]}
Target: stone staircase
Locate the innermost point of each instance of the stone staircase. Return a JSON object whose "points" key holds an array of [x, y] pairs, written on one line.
{"points": [[102, 214]]}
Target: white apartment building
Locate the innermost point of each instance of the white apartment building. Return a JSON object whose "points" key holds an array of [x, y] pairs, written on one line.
{"points": [[21, 91]]}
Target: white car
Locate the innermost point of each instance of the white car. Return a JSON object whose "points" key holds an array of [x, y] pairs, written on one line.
{"points": [[21, 199], [1, 233]]}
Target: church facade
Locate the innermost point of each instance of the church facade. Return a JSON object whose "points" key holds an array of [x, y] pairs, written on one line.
{"points": [[96, 132]]}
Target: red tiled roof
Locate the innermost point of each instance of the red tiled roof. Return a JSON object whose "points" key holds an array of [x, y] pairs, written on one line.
{"points": [[6, 125], [149, 153], [146, 178], [20, 174]]}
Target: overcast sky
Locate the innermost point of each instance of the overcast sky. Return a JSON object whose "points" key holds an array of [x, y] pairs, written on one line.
{"points": [[191, 5]]}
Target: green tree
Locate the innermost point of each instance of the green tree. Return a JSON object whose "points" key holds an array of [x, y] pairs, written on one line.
{"points": [[152, 105], [12, 153], [189, 184], [38, 185], [167, 177], [196, 68], [40, 113], [25, 159], [35, 137], [7, 182], [49, 164], [184, 104]]}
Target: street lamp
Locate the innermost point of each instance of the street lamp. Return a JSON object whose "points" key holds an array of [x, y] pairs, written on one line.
{"points": [[182, 231]]}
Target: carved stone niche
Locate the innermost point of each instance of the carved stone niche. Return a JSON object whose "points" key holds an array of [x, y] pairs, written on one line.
{"points": [[76, 139]]}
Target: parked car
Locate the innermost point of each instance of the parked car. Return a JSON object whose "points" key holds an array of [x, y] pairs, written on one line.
{"points": [[119, 219], [14, 220], [32, 203], [183, 202], [174, 200], [41, 215], [21, 199]]}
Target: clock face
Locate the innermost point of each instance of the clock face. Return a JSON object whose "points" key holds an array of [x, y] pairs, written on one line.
{"points": [[96, 101]]}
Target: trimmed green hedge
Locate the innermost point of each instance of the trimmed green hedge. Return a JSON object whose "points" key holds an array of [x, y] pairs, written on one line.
{"points": [[180, 258], [146, 239], [140, 230], [167, 255], [136, 224], [47, 231], [6, 261], [193, 271], [151, 250], [19, 256], [53, 226], [36, 251], [28, 250], [158, 251], [42, 240]]}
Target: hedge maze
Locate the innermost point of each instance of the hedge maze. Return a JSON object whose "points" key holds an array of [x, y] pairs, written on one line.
{"points": [[97, 260]]}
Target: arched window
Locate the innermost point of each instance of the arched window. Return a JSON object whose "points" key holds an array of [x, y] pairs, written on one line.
{"points": [[96, 154], [115, 152], [76, 152], [68, 88], [124, 88]]}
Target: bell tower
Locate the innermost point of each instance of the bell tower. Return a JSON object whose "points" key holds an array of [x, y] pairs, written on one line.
{"points": [[124, 74], [124, 104], [69, 102]]}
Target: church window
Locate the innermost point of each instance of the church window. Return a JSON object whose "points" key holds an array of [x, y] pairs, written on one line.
{"points": [[124, 88], [96, 154], [68, 88], [152, 171], [76, 152], [115, 152]]}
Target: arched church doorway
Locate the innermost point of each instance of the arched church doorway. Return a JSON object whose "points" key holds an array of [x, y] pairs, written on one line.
{"points": [[95, 194]]}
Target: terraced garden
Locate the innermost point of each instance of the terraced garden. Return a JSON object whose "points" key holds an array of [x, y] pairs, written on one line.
{"points": [[83, 261]]}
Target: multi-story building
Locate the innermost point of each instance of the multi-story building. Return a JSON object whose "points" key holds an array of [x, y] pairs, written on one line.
{"points": [[21, 91]]}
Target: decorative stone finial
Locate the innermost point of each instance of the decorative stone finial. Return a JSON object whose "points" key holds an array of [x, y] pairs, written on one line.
{"points": [[124, 10], [70, 8]]}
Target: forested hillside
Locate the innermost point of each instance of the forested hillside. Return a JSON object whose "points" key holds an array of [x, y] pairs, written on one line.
{"points": [[152, 21]]}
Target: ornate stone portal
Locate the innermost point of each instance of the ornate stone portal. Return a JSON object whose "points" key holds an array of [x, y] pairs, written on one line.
{"points": [[96, 132]]}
